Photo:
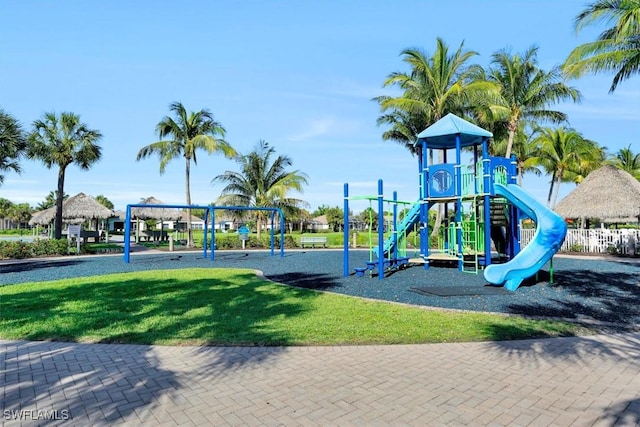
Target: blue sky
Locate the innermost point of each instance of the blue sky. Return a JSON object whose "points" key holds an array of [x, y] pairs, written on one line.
{"points": [[298, 74]]}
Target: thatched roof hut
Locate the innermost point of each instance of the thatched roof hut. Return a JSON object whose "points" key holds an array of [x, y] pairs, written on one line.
{"points": [[75, 209], [43, 217], [609, 193], [155, 213]]}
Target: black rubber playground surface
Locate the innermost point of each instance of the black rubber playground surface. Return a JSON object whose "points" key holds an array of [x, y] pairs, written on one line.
{"points": [[606, 290]]}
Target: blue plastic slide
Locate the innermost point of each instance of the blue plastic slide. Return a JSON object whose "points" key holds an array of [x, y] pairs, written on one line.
{"points": [[547, 240], [404, 228]]}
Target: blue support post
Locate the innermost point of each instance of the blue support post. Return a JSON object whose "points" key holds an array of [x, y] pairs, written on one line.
{"points": [[206, 234], [281, 232], [513, 170], [475, 170], [213, 231], [380, 231], [459, 201], [424, 208], [420, 166], [515, 213], [486, 182], [395, 226], [345, 257], [127, 234], [272, 235]]}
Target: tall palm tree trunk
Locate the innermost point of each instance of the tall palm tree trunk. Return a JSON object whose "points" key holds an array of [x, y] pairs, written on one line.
{"points": [[512, 135], [187, 185], [57, 228], [520, 173], [551, 185], [557, 190]]}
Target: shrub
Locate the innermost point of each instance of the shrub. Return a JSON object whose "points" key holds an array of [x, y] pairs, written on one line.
{"points": [[226, 241], [44, 247], [613, 250], [41, 247], [289, 241], [232, 241], [576, 247], [15, 249]]}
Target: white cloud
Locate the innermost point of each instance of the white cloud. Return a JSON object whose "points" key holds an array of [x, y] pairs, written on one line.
{"points": [[21, 182], [602, 111], [316, 128], [355, 89], [324, 126], [598, 103], [353, 184], [31, 196]]}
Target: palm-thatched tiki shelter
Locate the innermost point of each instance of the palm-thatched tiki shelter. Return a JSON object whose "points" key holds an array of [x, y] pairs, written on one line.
{"points": [[160, 214], [43, 217], [77, 209], [609, 193]]}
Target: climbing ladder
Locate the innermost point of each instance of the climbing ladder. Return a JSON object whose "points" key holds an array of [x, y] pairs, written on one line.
{"points": [[471, 245], [472, 240]]}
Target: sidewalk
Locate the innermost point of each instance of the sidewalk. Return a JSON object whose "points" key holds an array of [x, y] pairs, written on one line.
{"points": [[559, 382]]}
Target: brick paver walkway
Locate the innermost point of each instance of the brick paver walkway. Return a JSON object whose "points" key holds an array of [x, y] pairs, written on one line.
{"points": [[579, 381]]}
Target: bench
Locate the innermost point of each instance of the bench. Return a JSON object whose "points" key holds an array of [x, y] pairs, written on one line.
{"points": [[313, 241], [90, 234], [87, 235], [154, 235], [108, 250]]}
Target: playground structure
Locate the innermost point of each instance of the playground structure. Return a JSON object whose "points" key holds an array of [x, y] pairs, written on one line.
{"points": [[395, 248], [209, 212], [486, 205]]}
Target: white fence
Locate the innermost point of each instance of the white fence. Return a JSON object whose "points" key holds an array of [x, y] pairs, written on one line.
{"points": [[624, 242]]}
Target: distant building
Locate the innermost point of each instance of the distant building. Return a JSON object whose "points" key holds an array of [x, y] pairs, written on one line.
{"points": [[318, 223]]}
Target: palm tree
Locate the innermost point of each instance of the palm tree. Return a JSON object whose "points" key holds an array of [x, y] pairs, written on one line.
{"points": [[616, 50], [187, 133], [12, 144], [567, 156], [335, 218], [526, 91], [19, 213], [525, 148], [50, 201], [5, 207], [437, 85], [104, 201], [297, 219], [626, 160], [404, 128], [263, 181], [60, 141]]}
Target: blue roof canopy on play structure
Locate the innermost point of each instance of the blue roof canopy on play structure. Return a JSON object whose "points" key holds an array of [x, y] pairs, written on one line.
{"points": [[442, 134]]}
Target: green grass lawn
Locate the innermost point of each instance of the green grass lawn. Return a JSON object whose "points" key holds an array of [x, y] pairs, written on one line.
{"points": [[234, 307]]}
